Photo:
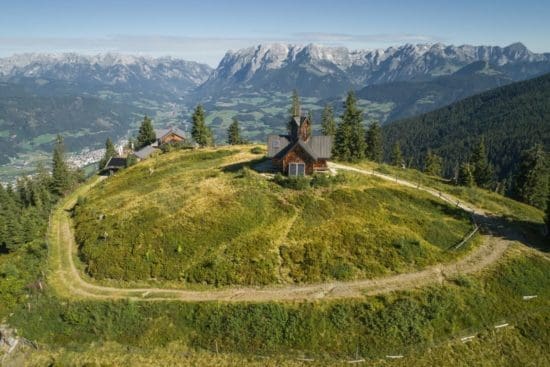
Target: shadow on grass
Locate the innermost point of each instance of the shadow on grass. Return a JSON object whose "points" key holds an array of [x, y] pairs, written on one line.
{"points": [[253, 164], [528, 233]]}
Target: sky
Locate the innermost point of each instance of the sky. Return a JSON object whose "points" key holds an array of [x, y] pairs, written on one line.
{"points": [[204, 30]]}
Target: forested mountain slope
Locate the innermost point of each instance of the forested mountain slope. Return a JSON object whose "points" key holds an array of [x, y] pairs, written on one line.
{"points": [[511, 119]]}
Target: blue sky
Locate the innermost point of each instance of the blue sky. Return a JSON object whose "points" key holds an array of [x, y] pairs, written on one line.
{"points": [[204, 30]]}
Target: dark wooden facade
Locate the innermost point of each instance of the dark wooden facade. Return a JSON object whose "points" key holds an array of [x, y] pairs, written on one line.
{"points": [[299, 153]]}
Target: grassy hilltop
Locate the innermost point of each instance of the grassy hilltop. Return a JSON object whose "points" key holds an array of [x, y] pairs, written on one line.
{"points": [[205, 217]]}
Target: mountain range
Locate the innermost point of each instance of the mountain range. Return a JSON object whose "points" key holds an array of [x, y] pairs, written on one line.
{"points": [[330, 71], [88, 98], [74, 73]]}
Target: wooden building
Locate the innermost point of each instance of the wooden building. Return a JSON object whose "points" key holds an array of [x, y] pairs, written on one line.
{"points": [[113, 165], [171, 135], [299, 153]]}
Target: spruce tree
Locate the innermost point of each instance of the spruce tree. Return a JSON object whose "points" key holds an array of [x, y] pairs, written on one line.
{"points": [[60, 171], [482, 169], [433, 164], [146, 134], [294, 110], [328, 124], [110, 152], [531, 182], [396, 158], [349, 142], [465, 175], [310, 126], [234, 133], [374, 142], [199, 131]]}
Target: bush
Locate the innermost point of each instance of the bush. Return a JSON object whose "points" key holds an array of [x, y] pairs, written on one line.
{"points": [[257, 150], [321, 180], [295, 183]]}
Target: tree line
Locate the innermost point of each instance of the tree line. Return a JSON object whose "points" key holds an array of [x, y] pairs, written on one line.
{"points": [[352, 142], [25, 206]]}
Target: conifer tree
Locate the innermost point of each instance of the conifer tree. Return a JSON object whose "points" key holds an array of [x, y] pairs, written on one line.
{"points": [[199, 131], [110, 152], [482, 169], [547, 217], [465, 175], [146, 134], [294, 111], [61, 179], [531, 182], [433, 164], [374, 142], [396, 158], [310, 126], [328, 124], [234, 133], [349, 142]]}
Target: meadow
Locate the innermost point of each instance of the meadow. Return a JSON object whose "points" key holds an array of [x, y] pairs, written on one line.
{"points": [[206, 218]]}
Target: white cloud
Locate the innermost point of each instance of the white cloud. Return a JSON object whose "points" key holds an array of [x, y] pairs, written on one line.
{"points": [[203, 49]]}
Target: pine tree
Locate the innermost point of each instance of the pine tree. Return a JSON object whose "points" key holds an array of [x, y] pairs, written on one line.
{"points": [[396, 158], [328, 124], [433, 164], [465, 175], [234, 133], [199, 131], [374, 142], [349, 142], [310, 126], [110, 152], [531, 182], [294, 111], [482, 169], [146, 134], [61, 179]]}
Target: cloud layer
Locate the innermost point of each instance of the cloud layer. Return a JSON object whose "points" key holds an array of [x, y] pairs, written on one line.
{"points": [[203, 49]]}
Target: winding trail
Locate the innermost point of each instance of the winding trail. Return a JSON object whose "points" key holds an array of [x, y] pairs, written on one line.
{"points": [[68, 280]]}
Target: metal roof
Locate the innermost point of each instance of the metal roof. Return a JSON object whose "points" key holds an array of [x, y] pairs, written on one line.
{"points": [[115, 162], [321, 145], [145, 152], [276, 143]]}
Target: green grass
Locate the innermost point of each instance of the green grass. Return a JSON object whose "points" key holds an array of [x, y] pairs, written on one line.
{"points": [[484, 199], [180, 217], [409, 323]]}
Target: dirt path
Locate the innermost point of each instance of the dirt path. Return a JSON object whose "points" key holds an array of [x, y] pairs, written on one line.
{"points": [[68, 280]]}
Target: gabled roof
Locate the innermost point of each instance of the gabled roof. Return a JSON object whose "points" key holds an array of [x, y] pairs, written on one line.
{"points": [[115, 162], [276, 143], [161, 133], [321, 145], [145, 152]]}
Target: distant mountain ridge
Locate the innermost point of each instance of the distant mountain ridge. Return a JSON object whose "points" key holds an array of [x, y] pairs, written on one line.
{"points": [[112, 71], [328, 71]]}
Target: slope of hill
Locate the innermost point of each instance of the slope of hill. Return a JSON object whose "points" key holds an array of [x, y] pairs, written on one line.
{"points": [[412, 98], [258, 232], [425, 325], [511, 119]]}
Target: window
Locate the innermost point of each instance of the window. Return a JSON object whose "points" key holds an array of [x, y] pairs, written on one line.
{"points": [[296, 169], [275, 144]]}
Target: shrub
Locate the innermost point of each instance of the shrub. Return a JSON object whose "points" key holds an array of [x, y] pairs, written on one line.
{"points": [[257, 150], [320, 180]]}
